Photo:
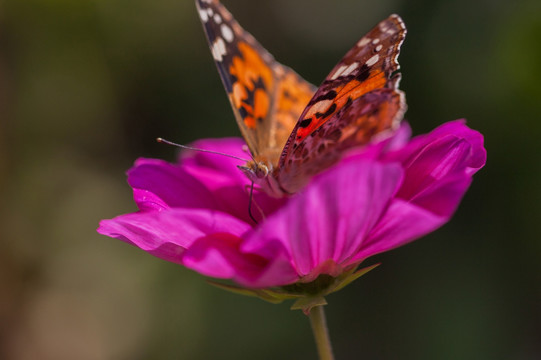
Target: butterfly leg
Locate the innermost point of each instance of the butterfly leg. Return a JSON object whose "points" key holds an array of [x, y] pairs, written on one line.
{"points": [[252, 203]]}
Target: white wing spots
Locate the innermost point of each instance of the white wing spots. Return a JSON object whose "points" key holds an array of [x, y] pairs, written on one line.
{"points": [[350, 69], [218, 49], [217, 19], [339, 72], [386, 28], [227, 33], [221, 45], [378, 48], [319, 107], [204, 16], [375, 41], [374, 59], [210, 12], [364, 41], [345, 70], [400, 22]]}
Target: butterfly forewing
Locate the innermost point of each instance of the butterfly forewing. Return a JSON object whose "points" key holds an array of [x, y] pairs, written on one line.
{"points": [[267, 97], [371, 64], [358, 100]]}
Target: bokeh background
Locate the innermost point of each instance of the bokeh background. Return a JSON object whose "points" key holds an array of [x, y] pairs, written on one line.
{"points": [[85, 88]]}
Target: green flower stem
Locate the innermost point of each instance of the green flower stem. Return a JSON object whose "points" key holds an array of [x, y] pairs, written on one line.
{"points": [[321, 333]]}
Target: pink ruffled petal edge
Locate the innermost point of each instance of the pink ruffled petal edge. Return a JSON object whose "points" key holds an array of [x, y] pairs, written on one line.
{"points": [[439, 166], [456, 129], [159, 185], [167, 234], [215, 168]]}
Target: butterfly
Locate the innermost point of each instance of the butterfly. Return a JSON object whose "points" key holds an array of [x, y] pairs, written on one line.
{"points": [[293, 129]]}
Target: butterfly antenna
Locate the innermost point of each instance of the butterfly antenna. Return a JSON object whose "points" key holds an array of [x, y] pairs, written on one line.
{"points": [[250, 203], [161, 140]]}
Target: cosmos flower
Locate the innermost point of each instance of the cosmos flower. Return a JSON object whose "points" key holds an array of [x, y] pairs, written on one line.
{"points": [[377, 198]]}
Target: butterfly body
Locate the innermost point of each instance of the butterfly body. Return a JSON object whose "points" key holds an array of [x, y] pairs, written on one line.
{"points": [[293, 129]]}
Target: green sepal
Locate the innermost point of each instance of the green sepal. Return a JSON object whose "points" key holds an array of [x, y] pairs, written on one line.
{"points": [[307, 295], [270, 295], [351, 277], [307, 303]]}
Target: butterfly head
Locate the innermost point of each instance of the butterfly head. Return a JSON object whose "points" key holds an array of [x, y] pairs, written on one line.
{"points": [[261, 173], [255, 170]]}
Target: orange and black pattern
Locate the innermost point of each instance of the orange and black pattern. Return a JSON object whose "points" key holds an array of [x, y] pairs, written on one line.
{"points": [[266, 96]]}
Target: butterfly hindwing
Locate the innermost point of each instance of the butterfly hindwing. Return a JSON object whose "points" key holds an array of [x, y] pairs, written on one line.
{"points": [[358, 100], [267, 97], [292, 95], [356, 123]]}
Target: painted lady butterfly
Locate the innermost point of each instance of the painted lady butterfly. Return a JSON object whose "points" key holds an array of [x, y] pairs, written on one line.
{"points": [[292, 129]]}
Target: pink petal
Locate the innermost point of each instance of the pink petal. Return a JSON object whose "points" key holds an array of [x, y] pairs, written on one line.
{"points": [[167, 234], [214, 168], [400, 138], [159, 185], [474, 160], [402, 223], [443, 197], [330, 218], [221, 257], [439, 166]]}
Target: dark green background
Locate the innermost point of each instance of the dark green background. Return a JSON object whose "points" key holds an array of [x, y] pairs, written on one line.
{"points": [[87, 85]]}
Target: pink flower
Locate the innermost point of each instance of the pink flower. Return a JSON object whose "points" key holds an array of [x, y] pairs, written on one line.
{"points": [[195, 213]]}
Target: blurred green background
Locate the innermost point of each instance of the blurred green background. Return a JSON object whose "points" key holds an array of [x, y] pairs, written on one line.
{"points": [[85, 88]]}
